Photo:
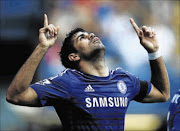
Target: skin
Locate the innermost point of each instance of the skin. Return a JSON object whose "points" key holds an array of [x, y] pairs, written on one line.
{"points": [[86, 44], [20, 93]]}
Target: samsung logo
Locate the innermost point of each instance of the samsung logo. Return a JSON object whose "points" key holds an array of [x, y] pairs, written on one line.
{"points": [[106, 102]]}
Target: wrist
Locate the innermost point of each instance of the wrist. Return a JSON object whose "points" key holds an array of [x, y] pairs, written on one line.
{"points": [[43, 47], [154, 55]]}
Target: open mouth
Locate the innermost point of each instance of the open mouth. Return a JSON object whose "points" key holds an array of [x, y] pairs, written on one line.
{"points": [[95, 39]]}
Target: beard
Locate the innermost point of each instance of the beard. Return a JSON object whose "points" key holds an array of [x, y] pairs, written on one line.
{"points": [[95, 54]]}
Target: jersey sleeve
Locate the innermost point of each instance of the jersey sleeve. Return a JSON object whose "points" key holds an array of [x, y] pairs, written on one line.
{"points": [[139, 89], [50, 91], [144, 90]]}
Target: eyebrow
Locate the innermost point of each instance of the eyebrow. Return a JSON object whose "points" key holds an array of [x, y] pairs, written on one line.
{"points": [[83, 33], [80, 36]]}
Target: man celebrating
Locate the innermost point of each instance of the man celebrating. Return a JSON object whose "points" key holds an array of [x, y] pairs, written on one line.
{"points": [[87, 95]]}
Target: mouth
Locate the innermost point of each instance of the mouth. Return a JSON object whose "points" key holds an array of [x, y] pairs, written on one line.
{"points": [[95, 39]]}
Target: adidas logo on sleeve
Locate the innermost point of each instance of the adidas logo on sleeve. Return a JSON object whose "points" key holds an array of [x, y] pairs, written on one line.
{"points": [[89, 89]]}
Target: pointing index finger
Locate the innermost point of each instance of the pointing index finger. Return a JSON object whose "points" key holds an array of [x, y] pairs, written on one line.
{"points": [[45, 20], [136, 28]]}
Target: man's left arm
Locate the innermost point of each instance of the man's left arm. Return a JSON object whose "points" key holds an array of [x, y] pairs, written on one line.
{"points": [[159, 82], [159, 76]]}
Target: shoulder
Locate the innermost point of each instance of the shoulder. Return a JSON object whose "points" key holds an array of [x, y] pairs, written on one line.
{"points": [[129, 78], [67, 72], [66, 75], [122, 72], [62, 76], [118, 70]]}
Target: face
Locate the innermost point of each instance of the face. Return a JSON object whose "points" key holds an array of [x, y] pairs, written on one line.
{"points": [[87, 44]]}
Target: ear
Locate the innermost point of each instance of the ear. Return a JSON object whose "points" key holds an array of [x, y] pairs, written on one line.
{"points": [[73, 57]]}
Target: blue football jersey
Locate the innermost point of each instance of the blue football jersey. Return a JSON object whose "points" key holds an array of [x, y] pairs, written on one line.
{"points": [[86, 102], [173, 118]]}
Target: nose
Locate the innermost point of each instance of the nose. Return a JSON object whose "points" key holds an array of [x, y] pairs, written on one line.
{"points": [[91, 36]]}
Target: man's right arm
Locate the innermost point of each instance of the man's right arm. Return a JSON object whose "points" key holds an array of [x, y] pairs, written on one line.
{"points": [[19, 91]]}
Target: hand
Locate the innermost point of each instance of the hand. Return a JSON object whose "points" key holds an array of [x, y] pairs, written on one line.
{"points": [[48, 34], [147, 37]]}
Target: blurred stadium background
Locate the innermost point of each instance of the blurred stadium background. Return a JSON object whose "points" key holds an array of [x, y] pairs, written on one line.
{"points": [[20, 21]]}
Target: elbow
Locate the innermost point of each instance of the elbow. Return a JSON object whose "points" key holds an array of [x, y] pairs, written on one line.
{"points": [[10, 98], [166, 94], [165, 98]]}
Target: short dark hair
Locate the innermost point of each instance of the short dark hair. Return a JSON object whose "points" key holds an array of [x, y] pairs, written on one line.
{"points": [[68, 48]]}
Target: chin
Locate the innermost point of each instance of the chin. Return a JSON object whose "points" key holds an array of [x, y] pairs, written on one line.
{"points": [[97, 52]]}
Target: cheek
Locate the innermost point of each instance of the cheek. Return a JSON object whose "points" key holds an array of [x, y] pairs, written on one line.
{"points": [[84, 50], [84, 45]]}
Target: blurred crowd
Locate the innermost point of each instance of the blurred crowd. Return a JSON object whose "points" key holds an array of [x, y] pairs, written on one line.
{"points": [[109, 20]]}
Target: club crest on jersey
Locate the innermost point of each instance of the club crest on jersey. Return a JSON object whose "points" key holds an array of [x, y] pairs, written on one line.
{"points": [[122, 86]]}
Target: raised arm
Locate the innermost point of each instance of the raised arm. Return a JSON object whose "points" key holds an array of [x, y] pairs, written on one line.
{"points": [[19, 91], [159, 76]]}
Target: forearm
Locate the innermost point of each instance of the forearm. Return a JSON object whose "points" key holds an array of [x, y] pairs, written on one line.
{"points": [[25, 75], [159, 76]]}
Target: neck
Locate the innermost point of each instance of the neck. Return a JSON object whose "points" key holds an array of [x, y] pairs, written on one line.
{"points": [[96, 68]]}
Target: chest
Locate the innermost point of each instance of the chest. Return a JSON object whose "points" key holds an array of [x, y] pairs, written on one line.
{"points": [[101, 94]]}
